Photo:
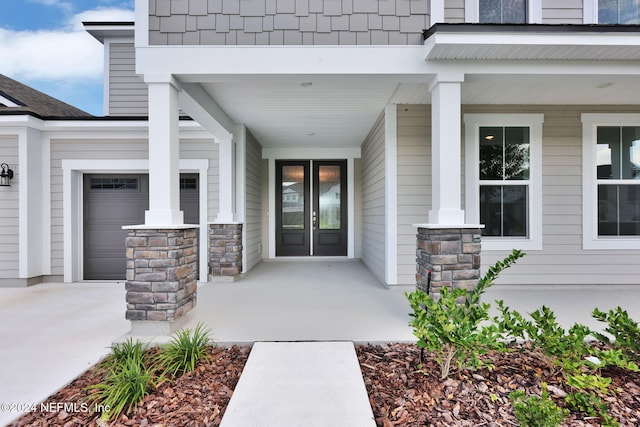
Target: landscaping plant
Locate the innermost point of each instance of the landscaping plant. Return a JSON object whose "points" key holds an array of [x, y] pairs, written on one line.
{"points": [[126, 381], [623, 329], [184, 351], [537, 411], [452, 330]]}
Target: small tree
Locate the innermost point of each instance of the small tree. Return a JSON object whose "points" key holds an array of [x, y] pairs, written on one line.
{"points": [[452, 330]]}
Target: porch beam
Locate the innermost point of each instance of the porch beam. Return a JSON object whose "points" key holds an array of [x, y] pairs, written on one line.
{"points": [[164, 153], [197, 103], [446, 150]]}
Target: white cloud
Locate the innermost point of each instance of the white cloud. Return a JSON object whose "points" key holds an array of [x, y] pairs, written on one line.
{"points": [[57, 55]]}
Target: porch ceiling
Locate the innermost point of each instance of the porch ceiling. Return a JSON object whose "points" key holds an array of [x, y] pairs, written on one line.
{"points": [[339, 111]]}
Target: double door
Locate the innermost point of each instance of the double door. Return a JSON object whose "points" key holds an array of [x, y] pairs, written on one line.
{"points": [[311, 208]]}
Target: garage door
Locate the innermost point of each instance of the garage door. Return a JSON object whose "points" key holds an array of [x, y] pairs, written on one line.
{"points": [[111, 201]]}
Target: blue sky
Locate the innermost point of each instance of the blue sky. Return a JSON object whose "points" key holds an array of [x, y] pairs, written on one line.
{"points": [[43, 45]]}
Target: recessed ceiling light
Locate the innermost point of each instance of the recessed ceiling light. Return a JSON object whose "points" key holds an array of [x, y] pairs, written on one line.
{"points": [[311, 133], [306, 84], [489, 137]]}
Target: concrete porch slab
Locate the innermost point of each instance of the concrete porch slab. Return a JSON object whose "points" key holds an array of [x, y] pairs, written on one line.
{"points": [[321, 300], [311, 384]]}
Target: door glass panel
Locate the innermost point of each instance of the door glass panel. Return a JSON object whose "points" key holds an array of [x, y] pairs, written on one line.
{"points": [[293, 197], [330, 197]]}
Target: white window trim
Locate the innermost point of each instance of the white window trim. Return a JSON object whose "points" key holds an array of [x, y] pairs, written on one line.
{"points": [[590, 238], [473, 122], [590, 12], [534, 11]]}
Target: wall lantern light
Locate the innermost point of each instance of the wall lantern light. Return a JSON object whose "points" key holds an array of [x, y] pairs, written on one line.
{"points": [[6, 175]]}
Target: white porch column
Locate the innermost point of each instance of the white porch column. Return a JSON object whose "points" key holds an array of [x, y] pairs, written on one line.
{"points": [[445, 143], [227, 178], [164, 153]]}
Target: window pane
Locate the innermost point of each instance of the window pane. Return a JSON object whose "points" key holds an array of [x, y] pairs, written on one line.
{"points": [[619, 12], [503, 210], [491, 152], [504, 153], [618, 210], [330, 197], [516, 153], [618, 152], [490, 11], [630, 152], [503, 11], [514, 11], [293, 197]]}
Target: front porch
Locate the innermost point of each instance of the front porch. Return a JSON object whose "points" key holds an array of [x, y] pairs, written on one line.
{"points": [[304, 300]]}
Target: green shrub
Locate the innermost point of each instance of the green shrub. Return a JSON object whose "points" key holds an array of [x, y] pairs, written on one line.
{"points": [[537, 411], [127, 350], [184, 351], [623, 329], [124, 385], [452, 330]]}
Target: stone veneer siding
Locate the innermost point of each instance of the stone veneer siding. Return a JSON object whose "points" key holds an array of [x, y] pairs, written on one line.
{"points": [[162, 269], [225, 250], [288, 22], [452, 255]]}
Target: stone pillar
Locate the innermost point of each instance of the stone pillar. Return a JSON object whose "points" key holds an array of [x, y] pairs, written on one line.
{"points": [[225, 252], [450, 255], [162, 271]]}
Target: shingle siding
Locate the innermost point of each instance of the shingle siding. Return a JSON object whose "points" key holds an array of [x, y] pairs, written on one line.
{"points": [[308, 22]]}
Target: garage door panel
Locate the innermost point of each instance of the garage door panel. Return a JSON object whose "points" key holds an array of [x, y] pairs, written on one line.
{"points": [[112, 201]]}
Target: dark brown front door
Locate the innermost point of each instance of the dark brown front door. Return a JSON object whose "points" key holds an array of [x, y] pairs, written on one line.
{"points": [[311, 208]]}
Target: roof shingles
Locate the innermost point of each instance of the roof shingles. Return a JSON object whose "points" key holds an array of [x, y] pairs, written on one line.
{"points": [[35, 103]]}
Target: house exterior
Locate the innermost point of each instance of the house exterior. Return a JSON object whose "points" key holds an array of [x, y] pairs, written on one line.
{"points": [[344, 128]]}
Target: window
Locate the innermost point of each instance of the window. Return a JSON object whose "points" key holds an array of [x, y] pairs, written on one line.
{"points": [[502, 11], [619, 12], [503, 181], [611, 183]]}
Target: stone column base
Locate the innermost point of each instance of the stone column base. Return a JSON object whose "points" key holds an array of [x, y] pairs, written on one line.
{"points": [[162, 271], [447, 257], [225, 252]]}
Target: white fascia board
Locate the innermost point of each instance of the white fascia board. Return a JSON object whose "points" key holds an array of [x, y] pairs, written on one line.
{"points": [[281, 60], [536, 39], [21, 121], [542, 67]]}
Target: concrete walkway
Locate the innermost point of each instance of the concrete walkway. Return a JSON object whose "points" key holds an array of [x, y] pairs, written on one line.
{"points": [[50, 334], [302, 384]]}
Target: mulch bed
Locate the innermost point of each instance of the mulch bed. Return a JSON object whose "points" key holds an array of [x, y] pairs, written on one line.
{"points": [[400, 395], [197, 398]]}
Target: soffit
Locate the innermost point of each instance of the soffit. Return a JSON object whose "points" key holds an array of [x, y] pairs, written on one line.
{"points": [[532, 42]]}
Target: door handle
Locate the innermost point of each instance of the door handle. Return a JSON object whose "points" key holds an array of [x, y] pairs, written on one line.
{"points": [[314, 219]]}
